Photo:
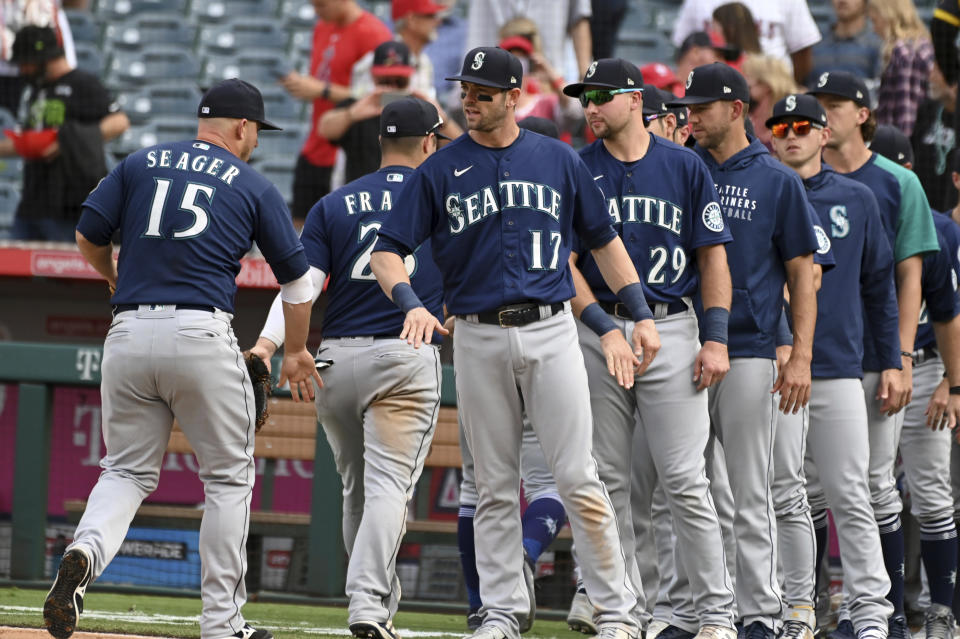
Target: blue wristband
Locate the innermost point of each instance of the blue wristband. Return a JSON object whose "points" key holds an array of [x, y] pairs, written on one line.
{"points": [[715, 320], [597, 320], [632, 295], [404, 297]]}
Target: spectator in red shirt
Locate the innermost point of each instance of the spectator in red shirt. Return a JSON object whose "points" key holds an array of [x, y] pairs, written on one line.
{"points": [[344, 33]]}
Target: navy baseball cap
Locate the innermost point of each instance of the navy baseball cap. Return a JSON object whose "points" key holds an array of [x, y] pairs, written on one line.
{"points": [[235, 98], [714, 82], [608, 73], [843, 84], [655, 101], [491, 67], [410, 117], [893, 144], [800, 105]]}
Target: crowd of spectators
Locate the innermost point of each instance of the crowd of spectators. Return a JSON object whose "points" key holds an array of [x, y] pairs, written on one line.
{"points": [[361, 59]]}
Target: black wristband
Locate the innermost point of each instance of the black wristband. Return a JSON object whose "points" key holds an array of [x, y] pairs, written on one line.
{"points": [[906, 354], [955, 390]]}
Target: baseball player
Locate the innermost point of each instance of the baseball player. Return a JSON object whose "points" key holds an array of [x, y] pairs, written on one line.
{"points": [[187, 211], [544, 516], [906, 219], [380, 406], [501, 206], [773, 243], [663, 204], [662, 120], [925, 438], [836, 443]]}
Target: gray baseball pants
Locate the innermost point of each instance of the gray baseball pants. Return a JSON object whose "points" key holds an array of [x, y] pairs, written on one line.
{"points": [[676, 425], [378, 407], [539, 369], [836, 467], [159, 364]]}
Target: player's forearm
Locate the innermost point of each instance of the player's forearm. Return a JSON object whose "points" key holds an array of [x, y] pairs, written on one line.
{"points": [[803, 304], [716, 289], [615, 264], [582, 44], [99, 257], [802, 64], [6, 148], [584, 296], [296, 320], [114, 125], [274, 327], [335, 123], [389, 270], [909, 296], [948, 342]]}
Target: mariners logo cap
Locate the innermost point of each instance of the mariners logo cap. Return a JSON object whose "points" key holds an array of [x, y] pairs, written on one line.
{"points": [[893, 144], [802, 105], [714, 82], [410, 117], [491, 67], [655, 101], [235, 98], [608, 73], [392, 58], [844, 84]]}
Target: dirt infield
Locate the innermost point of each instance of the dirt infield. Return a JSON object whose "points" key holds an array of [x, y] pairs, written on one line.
{"points": [[6, 632]]}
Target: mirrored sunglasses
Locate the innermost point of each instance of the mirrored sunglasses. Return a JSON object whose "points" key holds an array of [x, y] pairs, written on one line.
{"points": [[800, 127], [602, 96]]}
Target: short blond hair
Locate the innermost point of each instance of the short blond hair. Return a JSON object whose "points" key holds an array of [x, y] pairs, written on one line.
{"points": [[772, 72], [903, 23]]}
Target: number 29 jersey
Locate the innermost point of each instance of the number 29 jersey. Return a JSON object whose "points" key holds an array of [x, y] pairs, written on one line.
{"points": [[187, 212]]}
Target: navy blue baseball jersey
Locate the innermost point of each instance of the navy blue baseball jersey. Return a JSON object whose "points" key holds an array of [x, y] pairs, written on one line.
{"points": [[338, 237], [939, 280], [862, 279], [664, 207], [767, 212], [206, 199], [501, 220]]}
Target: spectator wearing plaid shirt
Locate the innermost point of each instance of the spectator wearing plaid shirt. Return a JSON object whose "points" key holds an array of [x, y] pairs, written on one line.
{"points": [[909, 58]]}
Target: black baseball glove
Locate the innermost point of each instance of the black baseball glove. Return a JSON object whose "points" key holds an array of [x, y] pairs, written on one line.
{"points": [[260, 377]]}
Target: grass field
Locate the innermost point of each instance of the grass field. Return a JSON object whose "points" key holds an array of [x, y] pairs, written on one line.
{"points": [[178, 617]]}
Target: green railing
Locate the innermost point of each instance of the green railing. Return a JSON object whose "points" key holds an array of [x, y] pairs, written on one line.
{"points": [[37, 368]]}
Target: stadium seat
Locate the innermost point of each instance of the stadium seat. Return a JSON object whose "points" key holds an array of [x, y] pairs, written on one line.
{"points": [[83, 26], [174, 99], [108, 11], [207, 11], [297, 14], [247, 32], [162, 129], [286, 143], [279, 105], [149, 28], [641, 47], [156, 64], [277, 169], [301, 45], [133, 139], [89, 58], [7, 119], [9, 198], [258, 66], [11, 171]]}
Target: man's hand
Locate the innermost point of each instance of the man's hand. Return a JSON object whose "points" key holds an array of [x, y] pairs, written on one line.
{"points": [[891, 392], [906, 380], [298, 369], [419, 325], [783, 356], [712, 363], [793, 383], [646, 343], [302, 87], [366, 107], [622, 363], [264, 349], [943, 411]]}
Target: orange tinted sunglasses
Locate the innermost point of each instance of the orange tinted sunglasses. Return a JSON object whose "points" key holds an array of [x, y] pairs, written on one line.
{"points": [[800, 127]]}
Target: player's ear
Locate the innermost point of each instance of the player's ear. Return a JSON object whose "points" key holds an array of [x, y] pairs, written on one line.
{"points": [[825, 136], [513, 97], [955, 177]]}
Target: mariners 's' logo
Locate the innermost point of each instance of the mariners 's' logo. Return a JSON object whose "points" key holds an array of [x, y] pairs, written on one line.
{"points": [[953, 277], [839, 223], [690, 79], [823, 242], [791, 102], [822, 82], [592, 70], [713, 217], [478, 60], [455, 212]]}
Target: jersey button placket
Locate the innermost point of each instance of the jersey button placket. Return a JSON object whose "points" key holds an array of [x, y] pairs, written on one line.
{"points": [[513, 271]]}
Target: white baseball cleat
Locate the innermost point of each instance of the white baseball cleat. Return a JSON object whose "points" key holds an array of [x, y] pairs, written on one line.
{"points": [[716, 632], [488, 631], [373, 630], [580, 617], [64, 603], [616, 631], [654, 628], [527, 622]]}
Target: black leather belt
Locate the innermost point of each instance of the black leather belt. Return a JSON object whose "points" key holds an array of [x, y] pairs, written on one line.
{"points": [[620, 310], [925, 354], [122, 308], [517, 314]]}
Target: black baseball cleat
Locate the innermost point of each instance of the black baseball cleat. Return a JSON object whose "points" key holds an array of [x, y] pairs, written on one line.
{"points": [[373, 630], [64, 603], [249, 632]]}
